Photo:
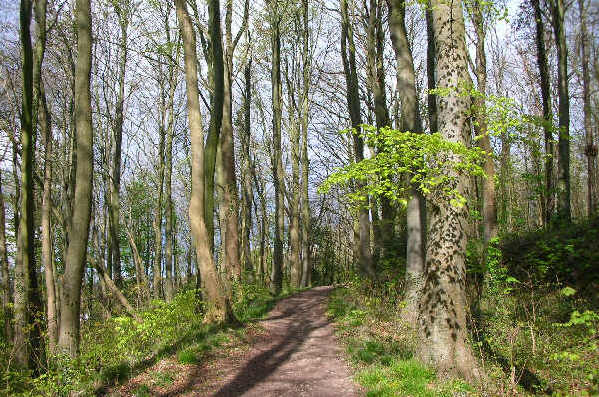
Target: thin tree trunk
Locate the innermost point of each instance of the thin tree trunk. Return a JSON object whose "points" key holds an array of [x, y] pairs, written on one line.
{"points": [[169, 288], [230, 200], [376, 82], [219, 309], [410, 121], [480, 126], [547, 118], [115, 179], [28, 339], [216, 71], [277, 162], [430, 71], [157, 221], [4, 273], [68, 339], [294, 207], [306, 279], [47, 259], [563, 164], [442, 311], [247, 168], [591, 149], [348, 55]]}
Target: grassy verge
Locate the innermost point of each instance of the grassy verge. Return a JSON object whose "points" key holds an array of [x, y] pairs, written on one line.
{"points": [[381, 347], [117, 349]]}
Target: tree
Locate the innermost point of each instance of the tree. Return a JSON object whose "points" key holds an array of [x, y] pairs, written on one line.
{"points": [[219, 309], [348, 56], [306, 279], [4, 272], [591, 149], [376, 83], [442, 313], [75, 258], [564, 210], [27, 334], [277, 161], [410, 121], [230, 204], [122, 10], [547, 117]]}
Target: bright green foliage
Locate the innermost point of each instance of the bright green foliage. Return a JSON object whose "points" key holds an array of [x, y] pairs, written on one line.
{"points": [[423, 158], [115, 349]]}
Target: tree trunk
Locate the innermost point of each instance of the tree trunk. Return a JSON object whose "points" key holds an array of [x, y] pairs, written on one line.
{"points": [[4, 274], [115, 180], [230, 200], [277, 161], [348, 55], [547, 117], [247, 168], [376, 82], [442, 311], [294, 205], [591, 149], [47, 259], [169, 287], [157, 221], [216, 76], [219, 309], [410, 121], [305, 200], [480, 126], [563, 164], [68, 339], [430, 71], [28, 340]]}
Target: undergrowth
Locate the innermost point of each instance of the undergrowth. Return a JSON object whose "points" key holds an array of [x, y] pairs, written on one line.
{"points": [[117, 348], [381, 346]]}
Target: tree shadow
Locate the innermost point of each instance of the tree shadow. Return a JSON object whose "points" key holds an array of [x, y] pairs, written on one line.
{"points": [[261, 366]]}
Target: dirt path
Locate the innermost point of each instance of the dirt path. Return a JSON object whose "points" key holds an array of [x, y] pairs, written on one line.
{"points": [[297, 355]]}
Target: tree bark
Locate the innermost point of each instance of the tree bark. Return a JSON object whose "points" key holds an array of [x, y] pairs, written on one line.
{"points": [[410, 121], [547, 117], [376, 82], [306, 279], [219, 309], [294, 205], [230, 200], [563, 164], [115, 171], [28, 340], [68, 339], [4, 273], [591, 149], [348, 55], [277, 162], [442, 311], [46, 224], [480, 126], [247, 194]]}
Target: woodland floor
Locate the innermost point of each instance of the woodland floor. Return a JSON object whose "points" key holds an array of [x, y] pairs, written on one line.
{"points": [[293, 352]]}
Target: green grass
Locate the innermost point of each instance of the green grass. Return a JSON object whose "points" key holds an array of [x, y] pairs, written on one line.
{"points": [[382, 351]]}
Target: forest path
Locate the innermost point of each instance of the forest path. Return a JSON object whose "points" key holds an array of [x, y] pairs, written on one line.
{"points": [[297, 355]]}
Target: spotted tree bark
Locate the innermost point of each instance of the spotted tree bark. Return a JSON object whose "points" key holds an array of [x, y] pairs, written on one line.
{"points": [[442, 310]]}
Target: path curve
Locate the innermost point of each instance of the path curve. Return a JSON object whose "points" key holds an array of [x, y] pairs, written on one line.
{"points": [[297, 355]]}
